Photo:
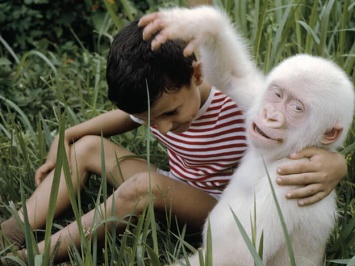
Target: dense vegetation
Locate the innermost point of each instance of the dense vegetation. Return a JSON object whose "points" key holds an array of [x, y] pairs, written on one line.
{"points": [[52, 75]]}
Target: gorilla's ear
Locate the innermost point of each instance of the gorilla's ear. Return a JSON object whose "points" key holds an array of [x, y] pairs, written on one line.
{"points": [[332, 135]]}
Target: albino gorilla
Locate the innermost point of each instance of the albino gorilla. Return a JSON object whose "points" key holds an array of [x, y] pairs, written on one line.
{"points": [[304, 101]]}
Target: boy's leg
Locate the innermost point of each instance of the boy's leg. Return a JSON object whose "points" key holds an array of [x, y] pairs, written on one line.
{"points": [[190, 205], [85, 158]]}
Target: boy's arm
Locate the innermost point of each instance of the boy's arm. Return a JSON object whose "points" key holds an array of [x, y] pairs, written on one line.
{"points": [[317, 177], [109, 124], [226, 61]]}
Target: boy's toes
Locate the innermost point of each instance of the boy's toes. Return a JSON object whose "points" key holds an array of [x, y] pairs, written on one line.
{"points": [[10, 258]]}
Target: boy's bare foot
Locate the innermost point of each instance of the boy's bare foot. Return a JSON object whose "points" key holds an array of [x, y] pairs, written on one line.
{"points": [[11, 234], [22, 254]]}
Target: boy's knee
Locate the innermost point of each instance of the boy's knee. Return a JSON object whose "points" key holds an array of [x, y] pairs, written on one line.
{"points": [[134, 187], [85, 146], [137, 189]]}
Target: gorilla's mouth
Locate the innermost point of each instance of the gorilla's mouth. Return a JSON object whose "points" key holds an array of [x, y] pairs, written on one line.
{"points": [[263, 134], [258, 130]]}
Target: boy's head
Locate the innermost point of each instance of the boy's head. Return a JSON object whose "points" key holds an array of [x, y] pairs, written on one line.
{"points": [[133, 69]]}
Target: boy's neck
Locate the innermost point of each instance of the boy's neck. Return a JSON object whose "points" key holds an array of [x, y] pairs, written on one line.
{"points": [[205, 90]]}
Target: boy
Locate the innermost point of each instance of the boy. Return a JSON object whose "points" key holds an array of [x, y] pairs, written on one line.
{"points": [[202, 128]]}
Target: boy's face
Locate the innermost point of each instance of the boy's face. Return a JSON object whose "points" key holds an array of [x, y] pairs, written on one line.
{"points": [[174, 111]]}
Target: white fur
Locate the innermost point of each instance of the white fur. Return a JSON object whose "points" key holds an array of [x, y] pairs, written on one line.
{"points": [[212, 31], [308, 227], [320, 78], [228, 65]]}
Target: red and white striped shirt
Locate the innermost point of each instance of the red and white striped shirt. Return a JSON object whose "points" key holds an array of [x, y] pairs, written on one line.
{"points": [[206, 155]]}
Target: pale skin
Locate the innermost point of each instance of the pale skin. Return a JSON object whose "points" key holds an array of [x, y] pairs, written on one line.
{"points": [[172, 112]]}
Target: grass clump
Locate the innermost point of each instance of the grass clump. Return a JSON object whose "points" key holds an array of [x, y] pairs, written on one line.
{"points": [[47, 90]]}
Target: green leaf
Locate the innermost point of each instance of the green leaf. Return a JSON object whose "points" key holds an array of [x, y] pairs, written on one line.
{"points": [[282, 220], [4, 61], [248, 242]]}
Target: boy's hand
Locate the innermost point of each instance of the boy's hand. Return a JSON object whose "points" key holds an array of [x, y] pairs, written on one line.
{"points": [[43, 171], [318, 176], [49, 165]]}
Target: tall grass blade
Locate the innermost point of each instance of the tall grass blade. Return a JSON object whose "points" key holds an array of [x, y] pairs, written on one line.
{"points": [[30, 242], [5, 131], [97, 82], [153, 256], [349, 149], [310, 32], [252, 250], [36, 53], [118, 23], [24, 151], [324, 27], [91, 245], [138, 231], [182, 243], [151, 199], [16, 259], [258, 24], [350, 61], [104, 192], [209, 251], [298, 34], [261, 245], [282, 220], [127, 9], [9, 49], [41, 139], [71, 116], [77, 38], [113, 235], [140, 247], [253, 225], [254, 232], [347, 262], [311, 25], [25, 121], [123, 240], [61, 157], [281, 35], [342, 34]]}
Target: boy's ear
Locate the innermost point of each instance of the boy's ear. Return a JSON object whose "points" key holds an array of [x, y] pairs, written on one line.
{"points": [[197, 75]]}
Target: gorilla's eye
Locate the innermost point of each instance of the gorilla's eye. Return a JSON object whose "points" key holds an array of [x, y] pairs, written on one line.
{"points": [[297, 106]]}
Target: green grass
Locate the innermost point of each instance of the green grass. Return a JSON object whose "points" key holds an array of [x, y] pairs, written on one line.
{"points": [[43, 92]]}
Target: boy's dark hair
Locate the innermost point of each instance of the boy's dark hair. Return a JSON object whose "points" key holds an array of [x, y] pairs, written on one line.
{"points": [[133, 68]]}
